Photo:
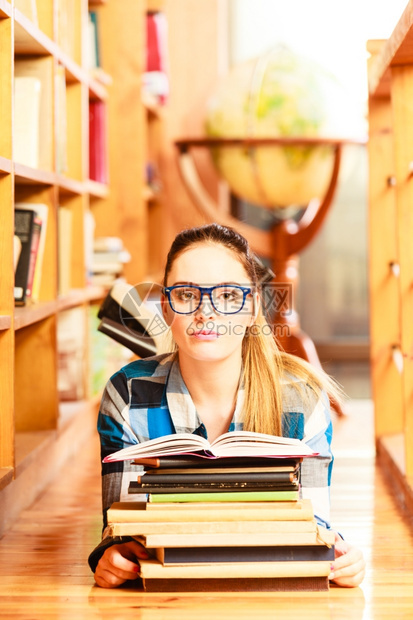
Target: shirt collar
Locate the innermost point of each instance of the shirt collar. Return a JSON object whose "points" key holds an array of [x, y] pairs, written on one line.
{"points": [[182, 407]]}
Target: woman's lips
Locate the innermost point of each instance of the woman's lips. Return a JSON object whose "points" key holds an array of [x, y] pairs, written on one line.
{"points": [[205, 335]]}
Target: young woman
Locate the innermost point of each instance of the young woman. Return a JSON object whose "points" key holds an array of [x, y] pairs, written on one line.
{"points": [[226, 373]]}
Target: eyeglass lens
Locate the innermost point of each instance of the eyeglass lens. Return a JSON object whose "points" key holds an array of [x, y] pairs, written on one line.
{"points": [[225, 299]]}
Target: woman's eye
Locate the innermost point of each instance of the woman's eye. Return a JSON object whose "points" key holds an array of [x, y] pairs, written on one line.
{"points": [[185, 295], [228, 295]]}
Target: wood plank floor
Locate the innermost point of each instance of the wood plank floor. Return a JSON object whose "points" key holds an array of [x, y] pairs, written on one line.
{"points": [[43, 558]]}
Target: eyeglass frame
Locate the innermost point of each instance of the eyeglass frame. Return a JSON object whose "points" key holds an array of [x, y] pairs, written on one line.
{"points": [[206, 290]]}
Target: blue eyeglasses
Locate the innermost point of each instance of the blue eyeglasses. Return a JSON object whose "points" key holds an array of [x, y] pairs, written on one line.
{"points": [[225, 299]]}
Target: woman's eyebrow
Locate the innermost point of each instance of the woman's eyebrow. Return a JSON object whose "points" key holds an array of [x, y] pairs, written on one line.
{"points": [[186, 283]]}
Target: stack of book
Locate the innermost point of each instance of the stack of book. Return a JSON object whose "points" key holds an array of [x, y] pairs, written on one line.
{"points": [[231, 520]]}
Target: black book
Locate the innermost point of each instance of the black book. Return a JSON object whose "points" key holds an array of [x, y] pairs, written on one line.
{"points": [[228, 477], [188, 462], [23, 228], [143, 346], [288, 553], [135, 487]]}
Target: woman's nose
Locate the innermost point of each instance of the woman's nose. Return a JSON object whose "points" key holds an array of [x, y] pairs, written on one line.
{"points": [[206, 309]]}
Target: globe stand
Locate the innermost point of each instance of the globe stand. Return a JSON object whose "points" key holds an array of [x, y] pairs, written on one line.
{"points": [[281, 245]]}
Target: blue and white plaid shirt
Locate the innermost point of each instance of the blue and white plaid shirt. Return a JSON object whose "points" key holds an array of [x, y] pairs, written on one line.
{"points": [[148, 398]]}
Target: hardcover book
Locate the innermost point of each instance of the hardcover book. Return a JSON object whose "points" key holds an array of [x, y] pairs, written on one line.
{"points": [[234, 443], [143, 512]]}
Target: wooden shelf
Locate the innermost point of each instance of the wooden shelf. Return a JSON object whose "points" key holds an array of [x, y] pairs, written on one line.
{"points": [[5, 322], [5, 9], [70, 186], [97, 90], [29, 445], [155, 6], [98, 190], [29, 39], [28, 315], [6, 476], [390, 73], [391, 456], [24, 175], [6, 165], [77, 297], [152, 106], [398, 50]]}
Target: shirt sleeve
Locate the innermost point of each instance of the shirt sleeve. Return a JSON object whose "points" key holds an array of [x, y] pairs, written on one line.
{"points": [[114, 434], [316, 471]]}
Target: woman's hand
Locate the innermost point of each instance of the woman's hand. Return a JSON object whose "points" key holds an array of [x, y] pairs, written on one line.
{"points": [[349, 567], [119, 563]]}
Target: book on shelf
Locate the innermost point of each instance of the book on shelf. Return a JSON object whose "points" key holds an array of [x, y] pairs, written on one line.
{"points": [[64, 249], [109, 263], [143, 512], [155, 78], [234, 443], [65, 25], [26, 133], [41, 212], [17, 248], [92, 47], [33, 143], [71, 349], [23, 228], [28, 8], [98, 170], [61, 120], [34, 250]]}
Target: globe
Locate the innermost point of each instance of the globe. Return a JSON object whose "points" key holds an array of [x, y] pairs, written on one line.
{"points": [[278, 95]]}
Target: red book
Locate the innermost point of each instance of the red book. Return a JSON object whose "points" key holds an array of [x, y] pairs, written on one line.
{"points": [[97, 142]]}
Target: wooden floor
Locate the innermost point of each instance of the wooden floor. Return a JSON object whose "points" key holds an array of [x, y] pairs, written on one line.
{"points": [[43, 558]]}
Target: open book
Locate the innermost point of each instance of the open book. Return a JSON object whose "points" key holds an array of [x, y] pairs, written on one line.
{"points": [[232, 444]]}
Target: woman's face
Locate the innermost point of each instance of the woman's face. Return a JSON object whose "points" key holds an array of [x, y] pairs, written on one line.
{"points": [[207, 334]]}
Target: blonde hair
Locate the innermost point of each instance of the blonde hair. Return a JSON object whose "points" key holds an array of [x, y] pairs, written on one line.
{"points": [[265, 366]]}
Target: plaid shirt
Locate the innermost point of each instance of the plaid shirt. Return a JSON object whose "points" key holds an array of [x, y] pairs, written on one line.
{"points": [[148, 398]]}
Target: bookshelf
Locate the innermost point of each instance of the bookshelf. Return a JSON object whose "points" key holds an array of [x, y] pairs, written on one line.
{"points": [[38, 431], [390, 80]]}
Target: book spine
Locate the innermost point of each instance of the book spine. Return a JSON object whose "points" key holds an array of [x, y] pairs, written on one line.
{"points": [[253, 511], [154, 569], [229, 477], [282, 553], [23, 225], [233, 540], [199, 461], [211, 527], [34, 251], [246, 496], [231, 584], [219, 487]]}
